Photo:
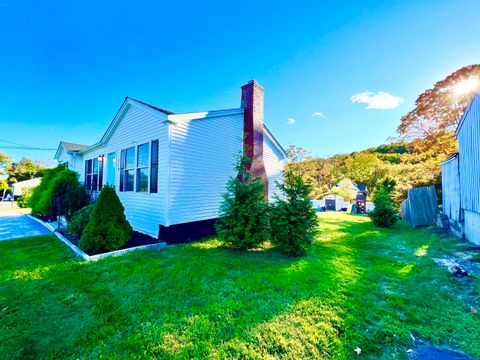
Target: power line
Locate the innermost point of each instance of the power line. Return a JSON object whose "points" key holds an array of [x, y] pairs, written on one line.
{"points": [[17, 146], [26, 148], [10, 142]]}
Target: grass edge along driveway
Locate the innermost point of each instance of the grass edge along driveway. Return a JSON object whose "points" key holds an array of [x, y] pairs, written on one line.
{"points": [[359, 286]]}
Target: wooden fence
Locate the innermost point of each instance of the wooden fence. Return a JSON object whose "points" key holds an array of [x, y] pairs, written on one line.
{"points": [[421, 206]]}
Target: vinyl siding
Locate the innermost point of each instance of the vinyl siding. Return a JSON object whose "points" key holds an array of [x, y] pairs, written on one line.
{"points": [[203, 155], [469, 150], [144, 211], [274, 166], [451, 189], [472, 226], [64, 157]]}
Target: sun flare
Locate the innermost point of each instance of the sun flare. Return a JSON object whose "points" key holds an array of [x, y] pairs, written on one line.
{"points": [[466, 86]]}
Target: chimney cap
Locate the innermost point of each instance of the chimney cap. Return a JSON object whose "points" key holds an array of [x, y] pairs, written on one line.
{"points": [[253, 82]]}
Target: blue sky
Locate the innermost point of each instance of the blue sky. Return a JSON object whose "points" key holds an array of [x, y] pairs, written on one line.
{"points": [[65, 67]]}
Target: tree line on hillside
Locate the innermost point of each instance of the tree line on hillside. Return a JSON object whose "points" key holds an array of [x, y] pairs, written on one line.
{"points": [[426, 138]]}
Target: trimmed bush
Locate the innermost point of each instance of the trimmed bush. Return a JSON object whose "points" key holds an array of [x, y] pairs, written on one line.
{"points": [[107, 228], [293, 222], [37, 193], [244, 221], [61, 194], [25, 198], [384, 214], [79, 221]]}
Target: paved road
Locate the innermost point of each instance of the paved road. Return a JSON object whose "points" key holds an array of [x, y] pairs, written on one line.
{"points": [[15, 226]]}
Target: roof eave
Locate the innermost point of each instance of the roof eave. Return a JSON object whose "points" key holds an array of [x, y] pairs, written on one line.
{"points": [[275, 142], [187, 117], [465, 113], [90, 148]]}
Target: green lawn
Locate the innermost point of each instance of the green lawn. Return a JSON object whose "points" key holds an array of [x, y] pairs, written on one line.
{"points": [[359, 286]]}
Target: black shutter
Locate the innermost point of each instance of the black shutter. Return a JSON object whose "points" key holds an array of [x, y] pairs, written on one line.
{"points": [[100, 172], [154, 167], [86, 172], [88, 179], [122, 170]]}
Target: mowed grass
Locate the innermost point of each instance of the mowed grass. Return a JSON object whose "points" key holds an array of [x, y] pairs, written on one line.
{"points": [[360, 286]]}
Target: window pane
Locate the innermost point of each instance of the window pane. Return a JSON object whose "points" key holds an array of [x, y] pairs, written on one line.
{"points": [[129, 179], [94, 182], [95, 166], [154, 179], [142, 155], [142, 180], [130, 158]]}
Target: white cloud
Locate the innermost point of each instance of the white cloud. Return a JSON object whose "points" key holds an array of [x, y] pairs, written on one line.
{"points": [[380, 100], [290, 121], [319, 114]]}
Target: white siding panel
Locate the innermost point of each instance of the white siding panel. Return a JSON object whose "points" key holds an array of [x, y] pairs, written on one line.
{"points": [[64, 157], [469, 150], [203, 154], [472, 226], [274, 166], [451, 189], [144, 211]]}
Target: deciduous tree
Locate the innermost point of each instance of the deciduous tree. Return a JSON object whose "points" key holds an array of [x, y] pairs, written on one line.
{"points": [[438, 110]]}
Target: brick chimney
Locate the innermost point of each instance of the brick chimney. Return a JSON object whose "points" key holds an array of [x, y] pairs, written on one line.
{"points": [[252, 102]]}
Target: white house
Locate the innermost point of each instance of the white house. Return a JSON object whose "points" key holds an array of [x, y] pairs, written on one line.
{"points": [[461, 177], [18, 187], [170, 170]]}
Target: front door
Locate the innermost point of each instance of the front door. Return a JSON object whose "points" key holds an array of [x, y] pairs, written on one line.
{"points": [[111, 158]]}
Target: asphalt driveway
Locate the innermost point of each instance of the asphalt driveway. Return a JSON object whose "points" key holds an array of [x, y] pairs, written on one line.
{"points": [[14, 225]]}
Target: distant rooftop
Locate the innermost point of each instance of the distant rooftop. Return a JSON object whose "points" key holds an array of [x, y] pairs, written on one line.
{"points": [[73, 147]]}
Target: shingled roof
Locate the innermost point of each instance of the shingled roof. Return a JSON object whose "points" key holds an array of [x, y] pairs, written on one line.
{"points": [[73, 147]]}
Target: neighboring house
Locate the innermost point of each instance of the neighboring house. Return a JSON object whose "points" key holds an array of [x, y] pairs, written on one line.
{"points": [[18, 187], [171, 170], [461, 177], [335, 202], [67, 155]]}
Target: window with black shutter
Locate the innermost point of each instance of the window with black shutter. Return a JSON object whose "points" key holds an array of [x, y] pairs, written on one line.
{"points": [[128, 169], [142, 168]]}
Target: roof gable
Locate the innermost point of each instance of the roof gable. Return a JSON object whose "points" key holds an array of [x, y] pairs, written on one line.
{"points": [[127, 103]]}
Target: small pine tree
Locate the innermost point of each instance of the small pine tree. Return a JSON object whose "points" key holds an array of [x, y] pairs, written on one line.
{"points": [[293, 222], [107, 228], [244, 222], [384, 214]]}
